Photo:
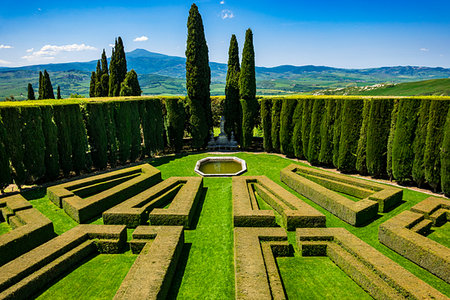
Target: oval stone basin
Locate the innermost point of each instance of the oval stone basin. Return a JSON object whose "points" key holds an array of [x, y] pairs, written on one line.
{"points": [[220, 166]]}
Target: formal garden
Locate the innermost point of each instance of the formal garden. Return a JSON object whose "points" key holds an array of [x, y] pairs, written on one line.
{"points": [[336, 197]]}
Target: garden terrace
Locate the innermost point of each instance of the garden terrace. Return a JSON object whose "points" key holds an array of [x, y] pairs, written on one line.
{"points": [[404, 234], [378, 275], [30, 228], [246, 211], [324, 188], [152, 272], [181, 194], [86, 198], [26, 275]]}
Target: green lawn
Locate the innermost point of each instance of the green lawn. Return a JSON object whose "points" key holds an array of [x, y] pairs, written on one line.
{"points": [[441, 234], [4, 228], [206, 269]]}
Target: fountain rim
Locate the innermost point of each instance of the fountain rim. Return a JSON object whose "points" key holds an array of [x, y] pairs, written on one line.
{"points": [[221, 158]]}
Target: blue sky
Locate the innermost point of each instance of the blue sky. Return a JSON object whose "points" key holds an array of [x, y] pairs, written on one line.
{"points": [[350, 34]]}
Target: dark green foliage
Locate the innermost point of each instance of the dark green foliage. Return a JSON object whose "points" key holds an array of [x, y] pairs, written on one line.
{"points": [[297, 132], [152, 126], [435, 133], [58, 93], [130, 85], [41, 85], [266, 121], [314, 133], [418, 169], [276, 115], [30, 92], [80, 158], [287, 126], [232, 111], [5, 173], [326, 133], [62, 121], [104, 85], [337, 131], [104, 64], [110, 127], [98, 77], [361, 160], [377, 136], [445, 158], [13, 142], [92, 85], [306, 125], [175, 120], [117, 68], [94, 115], [136, 138], [350, 130], [247, 90], [51, 143], [390, 143], [33, 142], [123, 130], [48, 88], [198, 79], [402, 150]]}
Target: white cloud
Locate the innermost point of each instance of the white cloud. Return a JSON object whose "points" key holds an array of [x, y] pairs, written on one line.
{"points": [[30, 50], [424, 49], [222, 2], [111, 45], [227, 14], [49, 52], [6, 46], [141, 39], [4, 62]]}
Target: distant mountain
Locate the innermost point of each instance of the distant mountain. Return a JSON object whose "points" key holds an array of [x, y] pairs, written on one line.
{"points": [[159, 73]]}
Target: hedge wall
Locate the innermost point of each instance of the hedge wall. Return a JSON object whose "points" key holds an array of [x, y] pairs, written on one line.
{"points": [[287, 126], [314, 142], [445, 158], [361, 166], [266, 122]]}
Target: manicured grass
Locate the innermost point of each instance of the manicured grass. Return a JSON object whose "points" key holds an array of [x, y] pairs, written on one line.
{"points": [[441, 234], [317, 278], [4, 228], [98, 278]]}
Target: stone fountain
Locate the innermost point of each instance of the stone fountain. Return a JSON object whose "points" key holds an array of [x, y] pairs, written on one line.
{"points": [[222, 142]]}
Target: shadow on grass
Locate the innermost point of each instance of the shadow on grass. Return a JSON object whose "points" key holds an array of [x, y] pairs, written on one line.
{"points": [[179, 272], [36, 193], [198, 209], [156, 162]]}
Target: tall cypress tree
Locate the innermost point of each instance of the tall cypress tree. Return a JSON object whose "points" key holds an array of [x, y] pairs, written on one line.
{"points": [[232, 112], [445, 158], [104, 79], [31, 92], [48, 88], [92, 85], [361, 154], [326, 133], [247, 90], [41, 86], [117, 68], [33, 143], [287, 126], [130, 86], [314, 133], [5, 172], [276, 114], [104, 63], [198, 79], [58, 93], [418, 170], [297, 132], [266, 120], [98, 79], [337, 131], [390, 142], [306, 125]]}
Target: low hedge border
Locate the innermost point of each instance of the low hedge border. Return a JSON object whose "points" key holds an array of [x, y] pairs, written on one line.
{"points": [[295, 213], [256, 271], [26, 275], [84, 209], [322, 187], [381, 277], [403, 234], [30, 228], [183, 194], [152, 272]]}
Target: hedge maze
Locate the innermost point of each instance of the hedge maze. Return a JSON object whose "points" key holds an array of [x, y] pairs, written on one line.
{"points": [[87, 198], [405, 232], [326, 189], [246, 212], [182, 193], [30, 228]]}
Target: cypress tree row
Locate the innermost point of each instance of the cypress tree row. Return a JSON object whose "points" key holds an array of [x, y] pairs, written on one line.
{"points": [[110, 127], [5, 172], [30, 92], [402, 151], [276, 114], [350, 129], [287, 126], [92, 85], [247, 90], [390, 143], [96, 131], [81, 160], [62, 121], [136, 139], [152, 127], [314, 133], [361, 161], [377, 136], [48, 88], [433, 143], [58, 93], [175, 123], [104, 64], [266, 121], [326, 133], [198, 79], [123, 130], [130, 85], [306, 125], [41, 86], [51, 143], [445, 158], [98, 79], [232, 111], [337, 132], [418, 169], [117, 68], [34, 143], [297, 131]]}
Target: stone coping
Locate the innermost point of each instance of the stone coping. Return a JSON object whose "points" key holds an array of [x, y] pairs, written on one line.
{"points": [[221, 158]]}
